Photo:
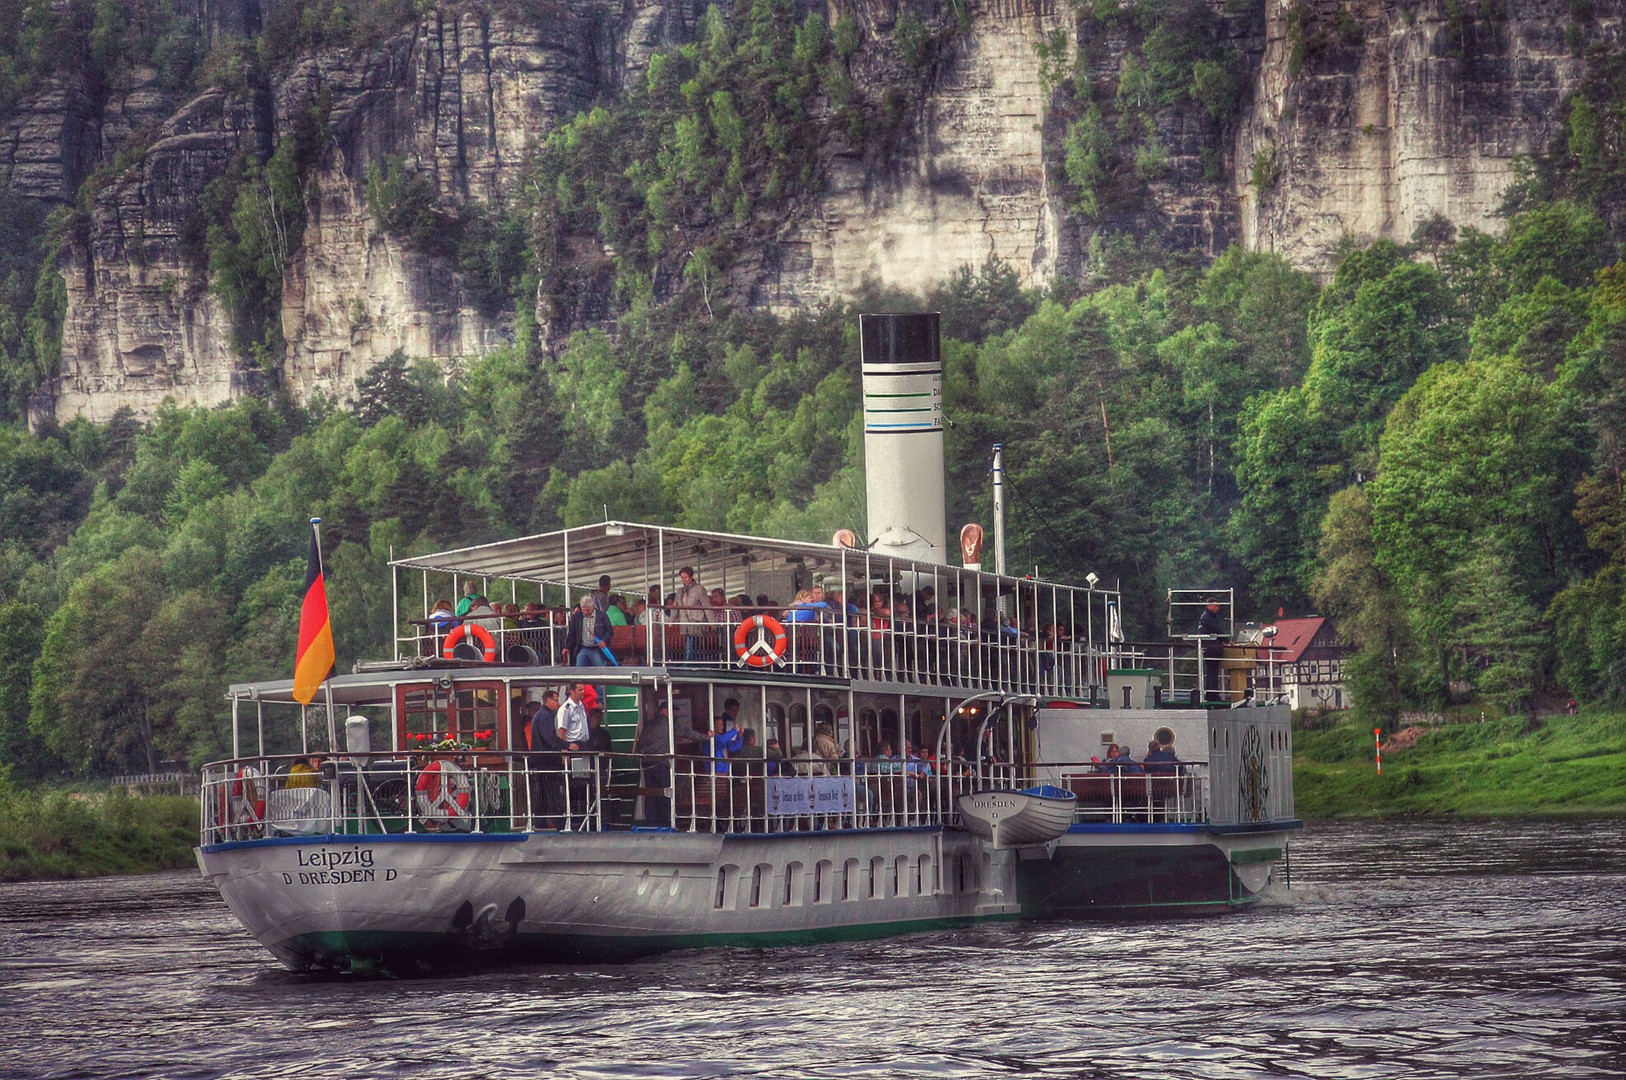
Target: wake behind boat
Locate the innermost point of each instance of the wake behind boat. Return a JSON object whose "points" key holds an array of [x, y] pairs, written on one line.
{"points": [[791, 742]]}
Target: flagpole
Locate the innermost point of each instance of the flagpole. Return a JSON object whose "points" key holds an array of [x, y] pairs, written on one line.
{"points": [[327, 683], [316, 527]]}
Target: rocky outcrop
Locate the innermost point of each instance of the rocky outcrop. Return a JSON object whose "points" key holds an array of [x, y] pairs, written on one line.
{"points": [[1356, 118], [1369, 117], [461, 99], [972, 185]]}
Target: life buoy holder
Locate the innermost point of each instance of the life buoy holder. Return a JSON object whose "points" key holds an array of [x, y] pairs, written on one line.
{"points": [[241, 804], [768, 646], [443, 795], [488, 644]]}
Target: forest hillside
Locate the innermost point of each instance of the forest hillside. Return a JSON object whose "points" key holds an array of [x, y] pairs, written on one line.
{"points": [[1422, 438]]}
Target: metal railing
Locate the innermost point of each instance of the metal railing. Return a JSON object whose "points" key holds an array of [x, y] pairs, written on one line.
{"points": [[1135, 794], [925, 652], [251, 799]]}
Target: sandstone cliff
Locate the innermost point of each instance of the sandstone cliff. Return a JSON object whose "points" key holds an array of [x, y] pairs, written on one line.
{"points": [[1355, 118]]}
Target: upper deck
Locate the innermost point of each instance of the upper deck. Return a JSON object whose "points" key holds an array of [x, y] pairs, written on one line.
{"points": [[881, 618]]}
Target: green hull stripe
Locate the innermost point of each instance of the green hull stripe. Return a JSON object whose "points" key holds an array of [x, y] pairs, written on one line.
{"points": [[1257, 855], [328, 946]]}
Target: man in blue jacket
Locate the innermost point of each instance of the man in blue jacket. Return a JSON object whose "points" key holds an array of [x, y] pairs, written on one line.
{"points": [[586, 634]]}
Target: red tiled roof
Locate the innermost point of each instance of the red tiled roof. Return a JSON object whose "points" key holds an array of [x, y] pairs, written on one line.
{"points": [[1293, 636]]}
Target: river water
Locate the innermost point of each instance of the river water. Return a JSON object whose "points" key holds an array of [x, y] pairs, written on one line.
{"points": [[1416, 950]]}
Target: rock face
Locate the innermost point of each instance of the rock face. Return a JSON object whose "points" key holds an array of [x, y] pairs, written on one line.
{"points": [[463, 101], [1400, 111], [974, 186], [1357, 118]]}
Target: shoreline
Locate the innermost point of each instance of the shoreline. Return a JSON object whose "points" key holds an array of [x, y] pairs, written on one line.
{"points": [[1554, 767]]}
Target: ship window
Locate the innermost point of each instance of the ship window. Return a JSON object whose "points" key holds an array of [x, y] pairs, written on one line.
{"points": [[793, 885], [900, 876], [776, 725], [849, 880], [923, 874], [821, 881], [877, 867], [727, 886], [470, 714], [799, 736], [761, 876]]}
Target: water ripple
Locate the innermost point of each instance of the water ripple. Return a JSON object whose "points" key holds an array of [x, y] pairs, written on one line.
{"points": [[1404, 950]]}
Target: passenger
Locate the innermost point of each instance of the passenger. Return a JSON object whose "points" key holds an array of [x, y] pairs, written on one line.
{"points": [[824, 743], [693, 612], [484, 614], [801, 607], [752, 760], [654, 744], [1127, 765], [913, 763], [1113, 765], [441, 616], [1160, 759], [727, 741], [601, 595], [1211, 626], [471, 592], [303, 772], [547, 764], [763, 601], [573, 728], [616, 612], [441, 620], [775, 756], [586, 636], [599, 741], [719, 607], [926, 602]]}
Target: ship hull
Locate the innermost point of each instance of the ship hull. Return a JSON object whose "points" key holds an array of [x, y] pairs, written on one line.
{"points": [[353, 903], [1130, 871]]}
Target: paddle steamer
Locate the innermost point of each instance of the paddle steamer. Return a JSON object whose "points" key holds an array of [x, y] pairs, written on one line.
{"points": [[437, 831]]}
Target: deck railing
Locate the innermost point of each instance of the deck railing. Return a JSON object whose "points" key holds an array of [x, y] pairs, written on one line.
{"points": [[926, 653], [1107, 795], [251, 799], [498, 793]]}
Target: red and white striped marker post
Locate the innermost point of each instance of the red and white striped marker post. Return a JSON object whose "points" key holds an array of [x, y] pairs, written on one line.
{"points": [[1377, 744]]}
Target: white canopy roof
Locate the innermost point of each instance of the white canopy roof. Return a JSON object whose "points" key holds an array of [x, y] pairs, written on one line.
{"points": [[630, 552]]}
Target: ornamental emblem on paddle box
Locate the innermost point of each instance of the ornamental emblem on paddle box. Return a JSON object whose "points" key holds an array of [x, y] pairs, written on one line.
{"points": [[1253, 778]]}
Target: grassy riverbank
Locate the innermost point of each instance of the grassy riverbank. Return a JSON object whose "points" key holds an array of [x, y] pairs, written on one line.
{"points": [[1561, 765], [48, 833]]}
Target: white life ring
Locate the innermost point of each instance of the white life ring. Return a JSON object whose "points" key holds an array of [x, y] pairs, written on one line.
{"points": [[244, 806], [443, 795]]}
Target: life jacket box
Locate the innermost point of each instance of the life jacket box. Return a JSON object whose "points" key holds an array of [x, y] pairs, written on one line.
{"points": [[1133, 688]]}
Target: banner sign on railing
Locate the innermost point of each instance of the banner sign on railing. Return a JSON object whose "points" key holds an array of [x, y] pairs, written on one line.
{"points": [[791, 795]]}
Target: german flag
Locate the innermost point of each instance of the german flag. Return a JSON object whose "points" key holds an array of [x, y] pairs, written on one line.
{"points": [[313, 663]]}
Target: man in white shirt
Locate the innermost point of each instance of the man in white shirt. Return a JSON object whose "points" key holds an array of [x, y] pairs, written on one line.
{"points": [[573, 728]]}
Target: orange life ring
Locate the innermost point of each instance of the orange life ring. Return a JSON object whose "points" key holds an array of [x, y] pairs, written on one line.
{"points": [[443, 794], [760, 653], [487, 642]]}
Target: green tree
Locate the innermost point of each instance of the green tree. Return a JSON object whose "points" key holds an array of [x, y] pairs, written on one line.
{"points": [[1366, 610], [1473, 466]]}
